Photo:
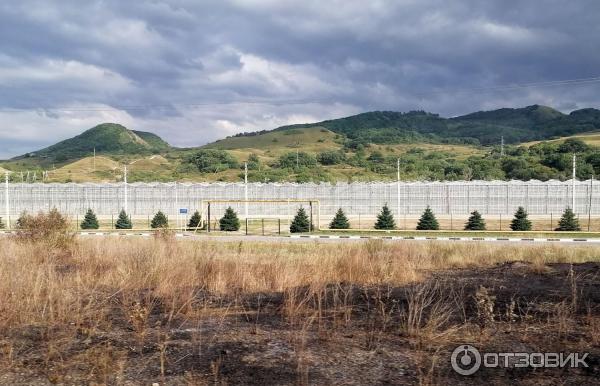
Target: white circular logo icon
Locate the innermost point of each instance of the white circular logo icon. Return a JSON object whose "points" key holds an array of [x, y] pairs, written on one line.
{"points": [[465, 359]]}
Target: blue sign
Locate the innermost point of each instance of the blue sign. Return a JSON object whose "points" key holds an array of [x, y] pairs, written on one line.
{"points": [[182, 210]]}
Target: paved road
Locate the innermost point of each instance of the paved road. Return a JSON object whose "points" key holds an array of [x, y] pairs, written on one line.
{"points": [[348, 238]]}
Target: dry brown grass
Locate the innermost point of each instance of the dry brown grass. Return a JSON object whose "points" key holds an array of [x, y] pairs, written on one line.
{"points": [[153, 287]]}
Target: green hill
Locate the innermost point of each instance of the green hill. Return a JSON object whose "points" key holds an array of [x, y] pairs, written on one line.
{"points": [[363, 147], [481, 128], [107, 138]]}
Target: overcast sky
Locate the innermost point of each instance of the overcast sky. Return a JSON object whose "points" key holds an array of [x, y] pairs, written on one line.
{"points": [[194, 71]]}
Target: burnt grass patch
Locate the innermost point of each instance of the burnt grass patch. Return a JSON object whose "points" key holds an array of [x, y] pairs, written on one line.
{"points": [[335, 333]]}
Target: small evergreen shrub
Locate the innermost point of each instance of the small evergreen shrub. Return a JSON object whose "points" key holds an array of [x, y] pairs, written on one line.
{"points": [[301, 222], [385, 219], [1, 224], [340, 221], [229, 222], [89, 220], [428, 222], [520, 222], [568, 222], [123, 222], [195, 221], [475, 222], [159, 221]]}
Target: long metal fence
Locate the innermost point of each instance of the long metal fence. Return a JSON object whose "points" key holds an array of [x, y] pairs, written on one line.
{"points": [[357, 199]]}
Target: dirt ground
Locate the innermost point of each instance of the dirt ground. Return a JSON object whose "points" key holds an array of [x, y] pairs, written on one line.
{"points": [[345, 335]]}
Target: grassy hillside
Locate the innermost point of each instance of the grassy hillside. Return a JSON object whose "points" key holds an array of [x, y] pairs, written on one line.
{"points": [[107, 138]]}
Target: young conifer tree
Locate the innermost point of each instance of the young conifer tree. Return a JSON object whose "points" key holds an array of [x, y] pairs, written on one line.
{"points": [[385, 219], [89, 220], [123, 222], [195, 221], [568, 222], [340, 221], [428, 222], [159, 220], [475, 222], [520, 222], [301, 222], [229, 222]]}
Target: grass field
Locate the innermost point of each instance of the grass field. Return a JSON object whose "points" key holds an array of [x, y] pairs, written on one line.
{"points": [[592, 138], [200, 312]]}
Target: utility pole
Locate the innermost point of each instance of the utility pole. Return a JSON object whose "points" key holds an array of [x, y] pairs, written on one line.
{"points": [[94, 158], [398, 185], [573, 182], [7, 204], [590, 204], [125, 181], [502, 146], [246, 189], [297, 163]]}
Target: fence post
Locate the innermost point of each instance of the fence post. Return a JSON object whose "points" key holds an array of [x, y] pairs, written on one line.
{"points": [[590, 205], [262, 221], [279, 226], [7, 203], [246, 226], [208, 215]]}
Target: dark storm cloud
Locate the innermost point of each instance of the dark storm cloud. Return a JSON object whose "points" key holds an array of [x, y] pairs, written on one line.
{"points": [[342, 57]]}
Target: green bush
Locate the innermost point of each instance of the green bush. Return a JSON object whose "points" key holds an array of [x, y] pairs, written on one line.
{"points": [[159, 221], [123, 221], [213, 161], [293, 159], [568, 222], [340, 221], [89, 220], [2, 226], [428, 222], [229, 222], [475, 222], [301, 222], [195, 221], [331, 157], [385, 219], [520, 222]]}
